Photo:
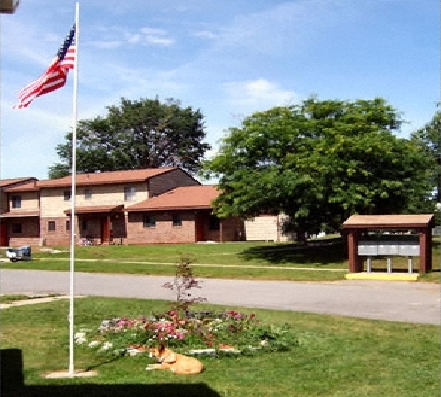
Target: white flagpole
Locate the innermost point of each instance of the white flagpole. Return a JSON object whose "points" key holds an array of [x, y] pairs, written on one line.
{"points": [[73, 195]]}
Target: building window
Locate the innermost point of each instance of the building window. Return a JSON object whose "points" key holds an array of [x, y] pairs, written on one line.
{"points": [[16, 201], [67, 225], [213, 222], [51, 226], [87, 194], [148, 221], [16, 228], [177, 220], [67, 195], [84, 225], [129, 193]]}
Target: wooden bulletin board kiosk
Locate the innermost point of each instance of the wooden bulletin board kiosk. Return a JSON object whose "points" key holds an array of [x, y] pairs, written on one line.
{"points": [[357, 227]]}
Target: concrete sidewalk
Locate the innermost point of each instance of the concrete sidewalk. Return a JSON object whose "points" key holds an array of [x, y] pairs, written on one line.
{"points": [[394, 301]]}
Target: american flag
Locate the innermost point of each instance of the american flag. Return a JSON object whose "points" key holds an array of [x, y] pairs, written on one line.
{"points": [[55, 75]]}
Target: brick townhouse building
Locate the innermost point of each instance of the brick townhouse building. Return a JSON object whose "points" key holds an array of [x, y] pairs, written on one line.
{"points": [[4, 205], [149, 206]]}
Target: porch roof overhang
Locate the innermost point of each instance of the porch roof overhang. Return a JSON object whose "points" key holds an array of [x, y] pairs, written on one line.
{"points": [[389, 221], [20, 214], [96, 209]]}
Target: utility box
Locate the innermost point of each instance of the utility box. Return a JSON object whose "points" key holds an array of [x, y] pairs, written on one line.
{"points": [[367, 248], [408, 248], [389, 248]]}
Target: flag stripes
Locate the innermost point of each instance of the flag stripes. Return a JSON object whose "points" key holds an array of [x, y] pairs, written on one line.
{"points": [[55, 75]]}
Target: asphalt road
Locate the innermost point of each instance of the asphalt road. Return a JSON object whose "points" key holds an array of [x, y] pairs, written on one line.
{"points": [[383, 300]]}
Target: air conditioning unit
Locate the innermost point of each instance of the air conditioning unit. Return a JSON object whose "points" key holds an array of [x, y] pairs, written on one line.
{"points": [[8, 6]]}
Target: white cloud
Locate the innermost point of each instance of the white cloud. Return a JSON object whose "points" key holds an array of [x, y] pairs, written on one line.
{"points": [[116, 37], [155, 36], [150, 39], [258, 94], [205, 34]]}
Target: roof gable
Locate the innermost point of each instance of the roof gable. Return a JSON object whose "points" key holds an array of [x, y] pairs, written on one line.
{"points": [[14, 181]]}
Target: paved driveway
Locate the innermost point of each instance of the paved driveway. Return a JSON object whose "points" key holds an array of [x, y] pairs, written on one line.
{"points": [[384, 300]]}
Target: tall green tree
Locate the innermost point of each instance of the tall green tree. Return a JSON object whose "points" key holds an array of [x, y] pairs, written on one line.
{"points": [[319, 162], [135, 135], [430, 138]]}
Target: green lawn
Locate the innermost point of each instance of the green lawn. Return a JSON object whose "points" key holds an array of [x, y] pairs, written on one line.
{"points": [[319, 260], [336, 356]]}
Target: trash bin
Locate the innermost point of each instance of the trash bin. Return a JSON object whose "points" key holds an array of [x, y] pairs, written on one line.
{"points": [[22, 253]]}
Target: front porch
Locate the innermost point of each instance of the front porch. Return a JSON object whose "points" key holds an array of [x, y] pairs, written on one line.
{"points": [[20, 228], [103, 225]]}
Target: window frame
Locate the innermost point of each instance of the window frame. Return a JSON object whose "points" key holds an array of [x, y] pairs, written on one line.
{"points": [[87, 193], [67, 195], [16, 201], [148, 221], [176, 220], [51, 226], [129, 193]]}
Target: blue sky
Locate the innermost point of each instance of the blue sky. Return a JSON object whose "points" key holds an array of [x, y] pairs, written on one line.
{"points": [[228, 58]]}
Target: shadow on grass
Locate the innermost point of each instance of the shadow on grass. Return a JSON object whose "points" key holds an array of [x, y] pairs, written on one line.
{"points": [[128, 390], [323, 252], [12, 385]]}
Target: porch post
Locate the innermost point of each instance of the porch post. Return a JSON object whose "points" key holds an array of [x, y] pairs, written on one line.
{"points": [[355, 263], [221, 231], [425, 250], [106, 230]]}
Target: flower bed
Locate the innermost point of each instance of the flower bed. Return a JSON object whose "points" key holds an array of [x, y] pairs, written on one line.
{"points": [[195, 333]]}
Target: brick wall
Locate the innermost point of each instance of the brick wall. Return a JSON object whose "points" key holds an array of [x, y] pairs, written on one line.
{"points": [[59, 236], [163, 233], [30, 232]]}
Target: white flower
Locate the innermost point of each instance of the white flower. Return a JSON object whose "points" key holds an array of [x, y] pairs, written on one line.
{"points": [[106, 345], [80, 338], [133, 352]]}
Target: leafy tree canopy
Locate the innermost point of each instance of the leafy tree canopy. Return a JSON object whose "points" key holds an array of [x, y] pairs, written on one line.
{"points": [[320, 162], [135, 135], [430, 138]]}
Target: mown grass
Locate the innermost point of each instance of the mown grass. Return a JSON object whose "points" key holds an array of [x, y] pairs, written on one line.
{"points": [[336, 356], [319, 260]]}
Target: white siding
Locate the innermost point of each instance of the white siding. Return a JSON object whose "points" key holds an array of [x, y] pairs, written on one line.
{"points": [[266, 228]]}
